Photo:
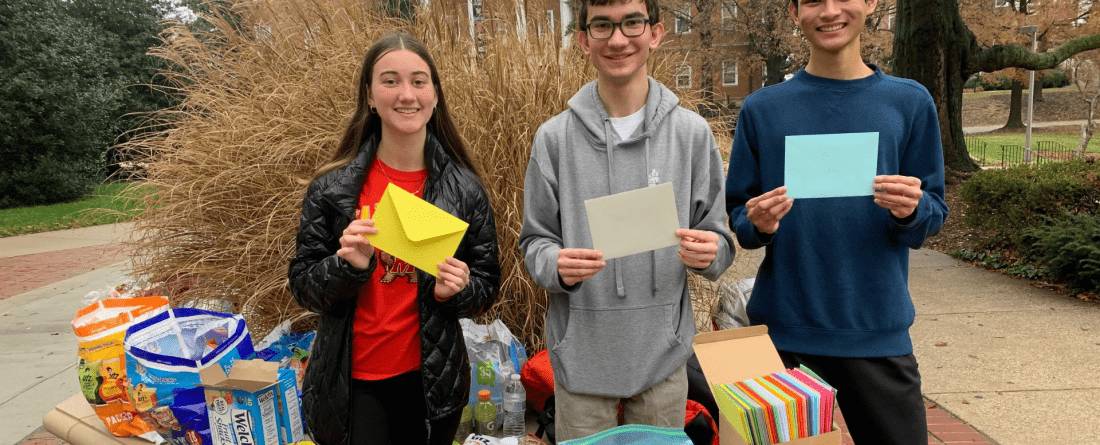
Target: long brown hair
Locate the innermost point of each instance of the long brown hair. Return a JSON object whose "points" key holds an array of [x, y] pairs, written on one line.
{"points": [[366, 123]]}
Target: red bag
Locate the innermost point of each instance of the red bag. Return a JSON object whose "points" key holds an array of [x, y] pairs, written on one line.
{"points": [[699, 425], [538, 379]]}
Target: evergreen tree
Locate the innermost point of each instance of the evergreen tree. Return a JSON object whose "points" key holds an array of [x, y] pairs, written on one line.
{"points": [[56, 103]]}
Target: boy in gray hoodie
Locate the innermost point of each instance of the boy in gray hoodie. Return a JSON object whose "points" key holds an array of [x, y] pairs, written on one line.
{"points": [[620, 331]]}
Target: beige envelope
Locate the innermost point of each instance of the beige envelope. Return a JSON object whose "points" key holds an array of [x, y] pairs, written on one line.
{"points": [[633, 222]]}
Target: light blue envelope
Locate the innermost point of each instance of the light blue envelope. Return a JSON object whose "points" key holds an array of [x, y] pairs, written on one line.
{"points": [[830, 165]]}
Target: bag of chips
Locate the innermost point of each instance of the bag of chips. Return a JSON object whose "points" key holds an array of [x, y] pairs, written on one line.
{"points": [[100, 329], [163, 357]]}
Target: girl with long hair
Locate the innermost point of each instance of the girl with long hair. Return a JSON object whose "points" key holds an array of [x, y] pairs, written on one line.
{"points": [[389, 364]]}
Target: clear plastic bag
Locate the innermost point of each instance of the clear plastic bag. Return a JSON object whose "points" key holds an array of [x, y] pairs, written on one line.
{"points": [[732, 302], [494, 355]]}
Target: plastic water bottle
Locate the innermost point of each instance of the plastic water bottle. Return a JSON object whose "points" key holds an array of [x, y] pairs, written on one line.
{"points": [[465, 424], [515, 400], [485, 414]]}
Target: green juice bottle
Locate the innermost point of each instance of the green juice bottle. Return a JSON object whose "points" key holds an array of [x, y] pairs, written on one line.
{"points": [[485, 414], [465, 424]]}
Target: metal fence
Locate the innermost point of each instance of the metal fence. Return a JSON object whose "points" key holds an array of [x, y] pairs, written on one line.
{"points": [[987, 155], [1050, 151]]}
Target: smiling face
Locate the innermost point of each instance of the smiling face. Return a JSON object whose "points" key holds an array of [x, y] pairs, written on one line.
{"points": [[832, 26], [619, 58], [402, 92]]}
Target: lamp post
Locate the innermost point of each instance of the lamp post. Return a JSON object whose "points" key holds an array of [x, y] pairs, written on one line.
{"points": [[1033, 30]]}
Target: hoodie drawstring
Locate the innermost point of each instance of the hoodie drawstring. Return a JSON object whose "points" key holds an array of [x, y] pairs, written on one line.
{"points": [[652, 253], [620, 290]]}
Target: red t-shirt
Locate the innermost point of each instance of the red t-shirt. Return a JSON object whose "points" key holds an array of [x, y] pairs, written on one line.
{"points": [[386, 333]]}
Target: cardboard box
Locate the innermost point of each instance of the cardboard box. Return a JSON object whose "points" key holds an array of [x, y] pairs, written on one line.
{"points": [[734, 355], [256, 404], [75, 422]]}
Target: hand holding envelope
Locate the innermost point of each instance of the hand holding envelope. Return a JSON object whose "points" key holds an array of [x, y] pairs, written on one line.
{"points": [[898, 194], [576, 265], [415, 231], [355, 248]]}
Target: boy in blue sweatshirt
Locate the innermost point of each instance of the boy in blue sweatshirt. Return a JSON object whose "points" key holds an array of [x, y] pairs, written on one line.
{"points": [[833, 286], [620, 331]]}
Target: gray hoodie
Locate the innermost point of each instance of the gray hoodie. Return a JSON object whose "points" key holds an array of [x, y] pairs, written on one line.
{"points": [[630, 326]]}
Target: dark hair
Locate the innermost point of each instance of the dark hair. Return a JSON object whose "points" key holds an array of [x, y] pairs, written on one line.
{"points": [[366, 123], [650, 6]]}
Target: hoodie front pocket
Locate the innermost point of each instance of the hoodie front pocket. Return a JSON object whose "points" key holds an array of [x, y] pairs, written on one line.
{"points": [[621, 344]]}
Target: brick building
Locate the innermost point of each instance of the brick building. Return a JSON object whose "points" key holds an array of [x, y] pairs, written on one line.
{"points": [[730, 78]]}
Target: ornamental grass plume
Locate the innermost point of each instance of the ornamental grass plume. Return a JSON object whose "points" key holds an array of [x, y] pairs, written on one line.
{"points": [[265, 91]]}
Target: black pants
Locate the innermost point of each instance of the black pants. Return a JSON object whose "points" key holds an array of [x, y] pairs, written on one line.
{"points": [[392, 412], [879, 397]]}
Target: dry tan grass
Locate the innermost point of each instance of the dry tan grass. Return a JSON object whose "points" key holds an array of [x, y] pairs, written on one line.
{"points": [[258, 115]]}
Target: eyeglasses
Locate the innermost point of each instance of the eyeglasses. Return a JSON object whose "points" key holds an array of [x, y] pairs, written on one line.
{"points": [[603, 29]]}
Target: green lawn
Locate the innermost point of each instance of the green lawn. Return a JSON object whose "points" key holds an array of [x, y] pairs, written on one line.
{"points": [[1013, 145], [105, 205]]}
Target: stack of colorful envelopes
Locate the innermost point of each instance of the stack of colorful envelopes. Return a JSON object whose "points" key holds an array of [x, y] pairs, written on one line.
{"points": [[776, 408]]}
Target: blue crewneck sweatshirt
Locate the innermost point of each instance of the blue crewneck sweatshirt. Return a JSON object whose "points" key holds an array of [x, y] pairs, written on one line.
{"points": [[834, 280]]}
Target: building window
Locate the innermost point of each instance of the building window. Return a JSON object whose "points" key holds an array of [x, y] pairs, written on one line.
{"points": [[729, 73], [683, 77], [729, 13], [683, 21], [550, 20]]}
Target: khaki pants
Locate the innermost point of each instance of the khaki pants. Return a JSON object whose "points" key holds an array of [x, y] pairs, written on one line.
{"points": [[581, 415]]}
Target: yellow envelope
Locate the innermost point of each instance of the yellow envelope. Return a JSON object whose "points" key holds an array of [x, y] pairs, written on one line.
{"points": [[415, 231]]}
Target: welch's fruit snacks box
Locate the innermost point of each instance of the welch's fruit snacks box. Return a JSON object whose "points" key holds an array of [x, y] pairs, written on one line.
{"points": [[256, 404]]}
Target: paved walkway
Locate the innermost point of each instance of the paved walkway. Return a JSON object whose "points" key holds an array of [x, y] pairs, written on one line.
{"points": [[985, 128], [1003, 362]]}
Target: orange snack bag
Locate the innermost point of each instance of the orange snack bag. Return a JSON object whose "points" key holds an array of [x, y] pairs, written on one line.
{"points": [[100, 329]]}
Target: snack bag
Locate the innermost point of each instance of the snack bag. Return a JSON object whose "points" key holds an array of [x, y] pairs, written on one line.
{"points": [[290, 349], [163, 357], [100, 329]]}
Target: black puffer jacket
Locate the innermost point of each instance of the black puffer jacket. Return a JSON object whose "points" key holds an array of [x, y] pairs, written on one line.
{"points": [[328, 285]]}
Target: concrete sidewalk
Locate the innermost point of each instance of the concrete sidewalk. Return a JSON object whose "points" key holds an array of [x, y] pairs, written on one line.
{"points": [[985, 128], [1017, 362], [13, 246], [1002, 361], [38, 353]]}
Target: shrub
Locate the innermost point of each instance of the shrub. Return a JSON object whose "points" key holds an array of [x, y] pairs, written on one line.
{"points": [[1055, 79], [973, 81], [1003, 203], [1069, 250], [56, 100], [999, 82]]}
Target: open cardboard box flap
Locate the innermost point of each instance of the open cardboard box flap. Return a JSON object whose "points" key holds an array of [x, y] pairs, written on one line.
{"points": [[247, 375], [733, 355]]}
